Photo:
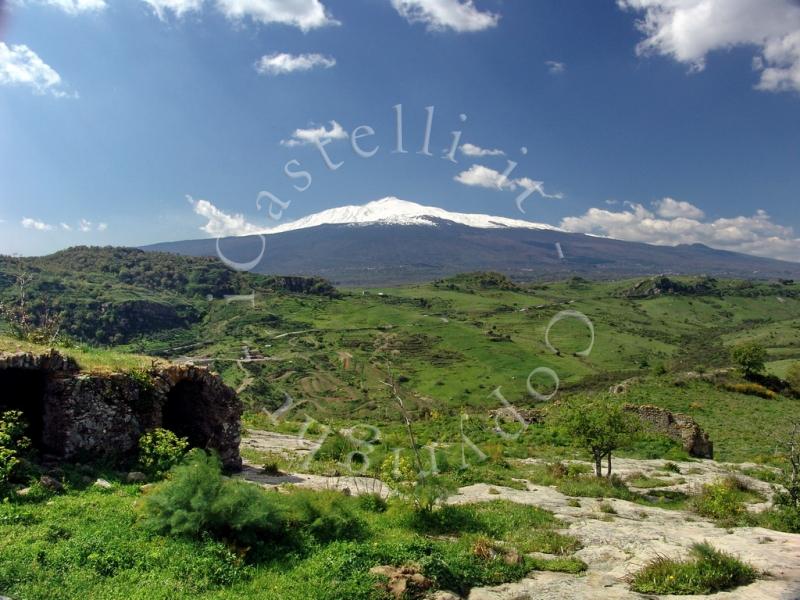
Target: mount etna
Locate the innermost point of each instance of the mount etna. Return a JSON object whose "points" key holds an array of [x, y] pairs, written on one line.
{"points": [[393, 241]]}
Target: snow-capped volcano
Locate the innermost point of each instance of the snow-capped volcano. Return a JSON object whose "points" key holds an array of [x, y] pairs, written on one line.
{"points": [[393, 211]]}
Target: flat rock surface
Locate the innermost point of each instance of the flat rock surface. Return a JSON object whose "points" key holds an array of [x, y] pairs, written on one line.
{"points": [[614, 545]]}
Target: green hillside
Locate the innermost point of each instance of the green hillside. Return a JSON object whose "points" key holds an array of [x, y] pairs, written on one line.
{"points": [[450, 344]]}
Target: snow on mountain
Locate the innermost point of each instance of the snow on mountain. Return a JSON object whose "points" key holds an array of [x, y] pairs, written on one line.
{"points": [[393, 211]]}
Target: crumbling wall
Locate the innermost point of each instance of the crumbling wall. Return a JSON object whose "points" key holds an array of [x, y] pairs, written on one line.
{"points": [[95, 415], [681, 428]]}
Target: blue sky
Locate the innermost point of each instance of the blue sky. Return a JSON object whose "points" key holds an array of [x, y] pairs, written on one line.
{"points": [[668, 121]]}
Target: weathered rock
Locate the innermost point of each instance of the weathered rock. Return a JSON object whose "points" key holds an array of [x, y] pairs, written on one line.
{"points": [[50, 483], [136, 477], [102, 483], [103, 415], [24, 491], [681, 428], [403, 582]]}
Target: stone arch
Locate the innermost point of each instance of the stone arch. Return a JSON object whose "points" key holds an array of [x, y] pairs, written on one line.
{"points": [[186, 411], [25, 390]]}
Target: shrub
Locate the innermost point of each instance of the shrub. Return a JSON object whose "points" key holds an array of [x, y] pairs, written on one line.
{"points": [[160, 450], [709, 571], [196, 500], [326, 516], [724, 501], [751, 389], [374, 503], [12, 443]]}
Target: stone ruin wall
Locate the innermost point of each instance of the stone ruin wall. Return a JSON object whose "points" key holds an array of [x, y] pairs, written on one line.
{"points": [[78, 416]]}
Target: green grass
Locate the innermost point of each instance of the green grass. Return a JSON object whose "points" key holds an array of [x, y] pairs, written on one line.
{"points": [[707, 572], [87, 543]]}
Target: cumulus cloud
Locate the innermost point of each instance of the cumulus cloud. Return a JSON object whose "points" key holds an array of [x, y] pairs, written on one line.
{"points": [[755, 234], [85, 225], [222, 224], [485, 177], [671, 209], [102, 226], [439, 15], [303, 14], [177, 7], [689, 30], [480, 176], [555, 67], [19, 65], [72, 7], [301, 137], [281, 63], [473, 150], [29, 223]]}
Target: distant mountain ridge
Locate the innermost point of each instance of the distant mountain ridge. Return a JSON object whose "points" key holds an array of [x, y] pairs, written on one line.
{"points": [[393, 241]]}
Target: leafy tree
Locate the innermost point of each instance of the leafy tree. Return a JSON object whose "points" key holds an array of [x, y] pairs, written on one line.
{"points": [[750, 357], [598, 424], [793, 377]]}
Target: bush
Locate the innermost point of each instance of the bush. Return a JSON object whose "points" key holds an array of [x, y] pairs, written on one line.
{"points": [[751, 389], [709, 572], [12, 443], [724, 501], [196, 500], [160, 450], [326, 516]]}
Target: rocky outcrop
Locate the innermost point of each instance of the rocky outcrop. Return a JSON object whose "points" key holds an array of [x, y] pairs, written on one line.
{"points": [[681, 428], [79, 415]]}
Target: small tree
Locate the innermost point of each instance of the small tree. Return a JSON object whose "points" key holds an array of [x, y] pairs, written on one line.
{"points": [[599, 424], [750, 357], [793, 377]]}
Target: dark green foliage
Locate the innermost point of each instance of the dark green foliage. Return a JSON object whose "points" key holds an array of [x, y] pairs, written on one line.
{"points": [[196, 500], [326, 516], [708, 572]]}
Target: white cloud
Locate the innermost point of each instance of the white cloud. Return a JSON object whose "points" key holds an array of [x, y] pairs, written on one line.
{"points": [[176, 7], [29, 223], [670, 208], [689, 30], [438, 15], [65, 227], [280, 63], [304, 14], [480, 176], [756, 234], [473, 150], [301, 137], [221, 224], [555, 67], [102, 226], [72, 7], [485, 177], [19, 65], [85, 225]]}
